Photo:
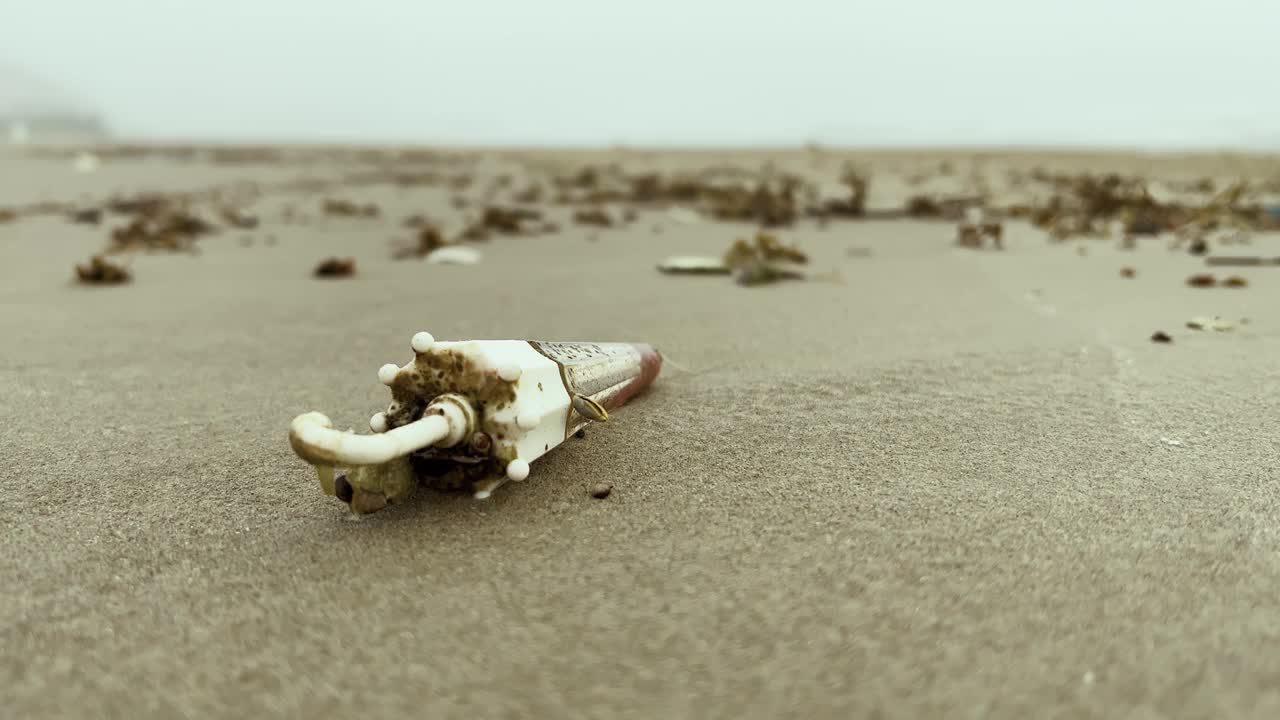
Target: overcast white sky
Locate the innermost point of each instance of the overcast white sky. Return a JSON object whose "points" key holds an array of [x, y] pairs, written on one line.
{"points": [[853, 72]]}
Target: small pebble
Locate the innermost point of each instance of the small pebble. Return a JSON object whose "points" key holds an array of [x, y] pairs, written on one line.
{"points": [[601, 490], [581, 434], [1161, 337], [1128, 272]]}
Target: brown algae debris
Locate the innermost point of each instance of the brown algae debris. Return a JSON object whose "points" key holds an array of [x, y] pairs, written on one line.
{"points": [[1235, 281], [1128, 272], [101, 271], [335, 268], [594, 217], [764, 260], [1202, 280], [345, 208]]}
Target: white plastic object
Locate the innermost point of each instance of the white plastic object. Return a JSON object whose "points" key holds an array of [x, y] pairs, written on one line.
{"points": [[445, 424], [422, 342], [387, 373]]}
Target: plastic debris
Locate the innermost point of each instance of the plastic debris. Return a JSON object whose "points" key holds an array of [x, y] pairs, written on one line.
{"points": [[1215, 324], [472, 415], [454, 255], [693, 265]]}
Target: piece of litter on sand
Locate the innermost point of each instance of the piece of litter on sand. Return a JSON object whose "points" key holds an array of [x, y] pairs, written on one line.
{"points": [[1161, 336], [693, 265], [1171, 442], [1215, 324], [601, 490], [454, 255]]}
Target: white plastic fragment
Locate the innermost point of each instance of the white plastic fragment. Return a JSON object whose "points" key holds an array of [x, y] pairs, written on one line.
{"points": [[454, 255]]}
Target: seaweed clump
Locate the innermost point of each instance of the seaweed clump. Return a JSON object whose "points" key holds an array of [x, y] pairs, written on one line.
{"points": [[764, 260], [101, 271]]}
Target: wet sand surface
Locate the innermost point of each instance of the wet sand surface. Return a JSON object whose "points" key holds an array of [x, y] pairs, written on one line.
{"points": [[949, 482]]}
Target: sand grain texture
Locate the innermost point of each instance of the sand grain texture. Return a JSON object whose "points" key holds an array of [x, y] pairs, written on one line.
{"points": [[938, 488]]}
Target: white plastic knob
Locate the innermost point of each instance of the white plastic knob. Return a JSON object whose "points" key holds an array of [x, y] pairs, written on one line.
{"points": [[518, 469], [387, 373], [422, 342]]}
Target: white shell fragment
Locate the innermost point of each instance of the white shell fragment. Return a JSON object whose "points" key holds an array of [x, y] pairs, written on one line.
{"points": [[454, 255], [378, 423]]}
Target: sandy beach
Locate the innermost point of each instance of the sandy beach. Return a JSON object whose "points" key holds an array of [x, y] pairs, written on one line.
{"points": [[937, 482]]}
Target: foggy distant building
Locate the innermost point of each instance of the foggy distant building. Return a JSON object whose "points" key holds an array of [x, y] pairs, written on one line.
{"points": [[36, 110]]}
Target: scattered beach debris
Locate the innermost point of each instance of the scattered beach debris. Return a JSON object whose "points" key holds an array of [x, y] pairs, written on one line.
{"points": [[764, 260], [239, 219], [335, 268], [855, 206], [770, 203], [923, 206], [159, 223], [1202, 280], [503, 221], [1198, 246], [693, 265], [971, 234], [454, 255], [101, 271], [1215, 324], [429, 239], [345, 208], [531, 194], [595, 217], [1128, 272], [471, 415], [87, 216], [1241, 261], [1235, 281], [1171, 442], [601, 490], [1161, 336]]}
